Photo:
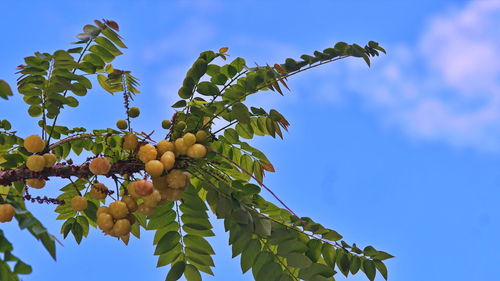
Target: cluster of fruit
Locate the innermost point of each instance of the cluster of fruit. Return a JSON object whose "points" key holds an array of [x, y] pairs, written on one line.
{"points": [[36, 162]]}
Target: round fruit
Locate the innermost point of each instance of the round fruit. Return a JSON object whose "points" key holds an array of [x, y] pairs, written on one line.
{"points": [[79, 203], [174, 194], [145, 210], [121, 124], [36, 183], [100, 166], [152, 199], [189, 139], [165, 124], [180, 146], [154, 168], [50, 159], [197, 151], [160, 183], [131, 190], [118, 209], [143, 187], [168, 160], [131, 203], [131, 218], [164, 146], [206, 120], [102, 210], [176, 179], [98, 191], [35, 163], [134, 112], [7, 212], [147, 153], [201, 136], [34, 144], [122, 227], [181, 125], [105, 221], [130, 141]]}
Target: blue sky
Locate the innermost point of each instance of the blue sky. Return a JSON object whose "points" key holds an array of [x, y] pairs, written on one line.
{"points": [[404, 155]]}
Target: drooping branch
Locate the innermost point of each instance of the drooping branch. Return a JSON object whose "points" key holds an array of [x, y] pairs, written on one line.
{"points": [[7, 177]]}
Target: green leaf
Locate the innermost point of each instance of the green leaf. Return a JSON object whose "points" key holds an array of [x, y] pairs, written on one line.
{"points": [[5, 91], [381, 268], [176, 271], [22, 268], [369, 269], [343, 262], [355, 264], [167, 242], [102, 52], [35, 110], [108, 45], [191, 273], [240, 112], [207, 89], [179, 104], [298, 260], [244, 130], [94, 60], [262, 227], [198, 244], [249, 254], [114, 37]]}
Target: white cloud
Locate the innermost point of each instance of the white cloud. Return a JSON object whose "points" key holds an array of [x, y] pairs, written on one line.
{"points": [[447, 87]]}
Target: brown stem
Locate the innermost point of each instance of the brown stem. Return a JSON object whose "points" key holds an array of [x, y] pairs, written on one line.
{"points": [[7, 177]]}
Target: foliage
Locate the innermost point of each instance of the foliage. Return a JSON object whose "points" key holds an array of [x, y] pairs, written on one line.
{"points": [[272, 241]]}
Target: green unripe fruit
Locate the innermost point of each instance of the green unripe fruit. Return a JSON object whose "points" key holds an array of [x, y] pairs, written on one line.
{"points": [[181, 125], [165, 124], [134, 111], [121, 124]]}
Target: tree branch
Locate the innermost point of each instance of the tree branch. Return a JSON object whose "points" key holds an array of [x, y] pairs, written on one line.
{"points": [[7, 177]]}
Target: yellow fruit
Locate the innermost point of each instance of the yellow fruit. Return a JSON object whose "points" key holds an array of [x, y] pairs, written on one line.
{"points": [[152, 199], [180, 146], [7, 212], [130, 141], [201, 136], [121, 124], [118, 209], [50, 159], [147, 153], [79, 203], [131, 203], [122, 227], [197, 151], [143, 188], [134, 112], [34, 144], [35, 163], [98, 191], [145, 210], [131, 190], [100, 166], [154, 168], [105, 221], [160, 183], [168, 160], [36, 183], [206, 120], [102, 210], [173, 194], [164, 146], [176, 179], [189, 139]]}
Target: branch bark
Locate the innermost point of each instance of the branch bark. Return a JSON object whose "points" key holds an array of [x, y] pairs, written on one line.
{"points": [[7, 177]]}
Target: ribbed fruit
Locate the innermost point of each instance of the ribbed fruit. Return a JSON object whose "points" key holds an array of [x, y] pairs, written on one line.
{"points": [[100, 166], [35, 163], [34, 144]]}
